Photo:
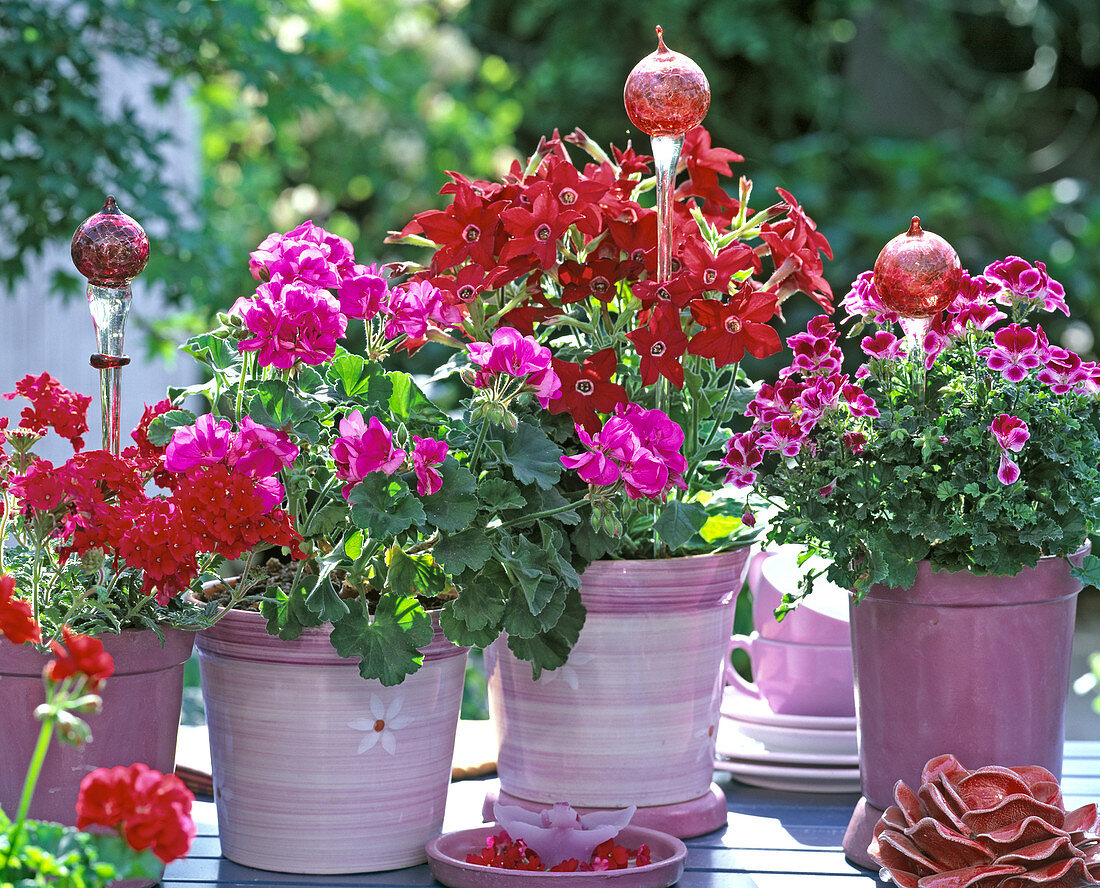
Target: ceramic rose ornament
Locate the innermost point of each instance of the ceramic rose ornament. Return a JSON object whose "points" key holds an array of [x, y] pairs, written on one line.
{"points": [[990, 828]]}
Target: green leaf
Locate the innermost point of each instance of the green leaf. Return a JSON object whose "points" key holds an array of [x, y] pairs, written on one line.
{"points": [[1088, 574], [353, 545], [387, 647], [454, 506], [276, 406], [384, 506], [499, 494], [408, 575], [361, 379], [534, 458], [550, 648], [287, 615], [212, 350], [324, 601], [460, 633], [591, 544], [163, 426], [408, 402], [531, 568], [481, 601], [679, 522], [468, 549]]}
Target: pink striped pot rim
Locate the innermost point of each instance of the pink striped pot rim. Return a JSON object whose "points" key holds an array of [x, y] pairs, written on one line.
{"points": [[695, 582]]}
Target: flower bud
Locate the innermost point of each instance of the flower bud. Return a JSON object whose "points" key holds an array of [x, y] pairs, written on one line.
{"points": [[72, 730], [92, 560]]}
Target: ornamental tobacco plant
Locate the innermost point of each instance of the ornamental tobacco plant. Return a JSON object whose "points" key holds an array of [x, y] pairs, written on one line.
{"points": [[564, 255], [975, 448], [395, 506]]}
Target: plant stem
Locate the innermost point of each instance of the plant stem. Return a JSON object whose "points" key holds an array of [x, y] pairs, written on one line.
{"points": [[698, 457], [478, 445], [240, 388], [545, 513], [31, 780]]}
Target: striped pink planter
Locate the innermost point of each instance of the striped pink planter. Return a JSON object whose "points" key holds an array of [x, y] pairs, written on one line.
{"points": [[631, 718], [315, 769], [139, 721]]}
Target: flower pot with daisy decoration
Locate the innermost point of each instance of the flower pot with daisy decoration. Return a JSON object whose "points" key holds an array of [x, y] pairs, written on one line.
{"points": [[376, 517], [952, 485], [648, 313]]}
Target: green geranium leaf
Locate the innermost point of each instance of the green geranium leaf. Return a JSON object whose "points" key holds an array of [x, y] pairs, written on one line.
{"points": [[454, 506], [460, 633], [531, 568], [589, 543], [384, 506], [287, 615], [387, 646], [533, 456], [469, 548], [353, 545], [498, 494], [323, 600], [679, 522], [163, 426], [520, 621], [212, 350], [360, 379], [1088, 574], [481, 602], [550, 648], [276, 406], [408, 402], [408, 575]]}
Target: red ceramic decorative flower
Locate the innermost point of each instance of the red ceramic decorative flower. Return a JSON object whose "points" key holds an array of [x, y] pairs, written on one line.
{"points": [[991, 828]]}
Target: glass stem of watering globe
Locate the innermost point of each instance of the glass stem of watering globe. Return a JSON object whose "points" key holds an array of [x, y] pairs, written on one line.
{"points": [[666, 157], [915, 331]]}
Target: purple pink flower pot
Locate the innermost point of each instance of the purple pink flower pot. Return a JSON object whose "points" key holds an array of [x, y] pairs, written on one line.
{"points": [[631, 718], [975, 666], [317, 770], [138, 723]]}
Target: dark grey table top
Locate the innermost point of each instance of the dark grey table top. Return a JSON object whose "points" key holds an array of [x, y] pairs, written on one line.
{"points": [[771, 840]]}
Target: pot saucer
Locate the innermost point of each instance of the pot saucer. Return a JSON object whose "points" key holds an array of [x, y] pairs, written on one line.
{"points": [[447, 860], [742, 707], [736, 741], [792, 778]]}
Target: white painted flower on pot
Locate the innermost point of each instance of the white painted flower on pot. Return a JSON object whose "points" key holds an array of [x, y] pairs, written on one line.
{"points": [[381, 724]]}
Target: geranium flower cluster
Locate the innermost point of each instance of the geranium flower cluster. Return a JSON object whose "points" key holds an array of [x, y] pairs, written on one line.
{"points": [[365, 447], [552, 273], [150, 810], [17, 622], [501, 852], [975, 423]]}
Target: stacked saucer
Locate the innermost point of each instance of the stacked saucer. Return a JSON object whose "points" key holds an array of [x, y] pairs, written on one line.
{"points": [[798, 753]]}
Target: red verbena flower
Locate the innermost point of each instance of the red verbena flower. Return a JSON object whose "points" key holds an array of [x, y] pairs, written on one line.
{"points": [[80, 655], [52, 406]]}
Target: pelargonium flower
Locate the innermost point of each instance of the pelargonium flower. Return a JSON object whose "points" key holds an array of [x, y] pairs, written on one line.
{"points": [[820, 395], [815, 351], [417, 306], [863, 301], [1014, 352], [1011, 433], [291, 322], [363, 293], [363, 448], [259, 452], [882, 346], [52, 406], [1062, 370], [203, 444], [150, 810], [742, 457], [428, 452], [1021, 282], [16, 616], [307, 253], [516, 355], [774, 401], [859, 402], [973, 306], [79, 655], [785, 435]]}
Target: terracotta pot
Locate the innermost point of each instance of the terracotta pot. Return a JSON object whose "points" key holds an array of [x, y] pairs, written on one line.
{"points": [[975, 666], [317, 770], [631, 717], [138, 723]]}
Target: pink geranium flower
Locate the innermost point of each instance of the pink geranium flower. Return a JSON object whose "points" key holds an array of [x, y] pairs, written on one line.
{"points": [[594, 466], [363, 293], [206, 443], [883, 346], [1011, 433], [786, 435], [815, 351], [1015, 351], [513, 354], [863, 301], [260, 452], [742, 457], [417, 306], [291, 322], [1063, 370], [428, 452], [363, 448], [1020, 282]]}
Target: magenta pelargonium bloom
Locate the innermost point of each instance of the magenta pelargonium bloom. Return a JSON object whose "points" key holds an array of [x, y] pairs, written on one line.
{"points": [[1020, 282], [417, 306], [1011, 433], [882, 346], [863, 301], [742, 457], [363, 448], [363, 293], [428, 452], [594, 465], [513, 354], [260, 452], [815, 351], [1015, 351], [291, 322], [1064, 371], [206, 443], [307, 253]]}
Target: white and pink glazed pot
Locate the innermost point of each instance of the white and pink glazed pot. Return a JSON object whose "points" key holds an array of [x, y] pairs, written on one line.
{"points": [[317, 770], [631, 718]]}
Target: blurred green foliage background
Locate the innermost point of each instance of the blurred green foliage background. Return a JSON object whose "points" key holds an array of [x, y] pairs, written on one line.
{"points": [[978, 115]]}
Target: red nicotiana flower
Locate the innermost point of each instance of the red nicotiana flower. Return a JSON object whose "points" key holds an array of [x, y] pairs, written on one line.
{"points": [[796, 247], [574, 191], [677, 291], [734, 327], [150, 810], [468, 282], [586, 389], [596, 278], [535, 232], [52, 406], [704, 165], [80, 655], [711, 272], [467, 229], [16, 617], [660, 345]]}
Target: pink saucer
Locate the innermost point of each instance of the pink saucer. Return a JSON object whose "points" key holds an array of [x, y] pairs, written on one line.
{"points": [[447, 860], [685, 820]]}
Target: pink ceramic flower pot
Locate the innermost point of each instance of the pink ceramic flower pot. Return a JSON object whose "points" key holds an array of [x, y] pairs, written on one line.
{"points": [[139, 721], [976, 666], [317, 770], [631, 718]]}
